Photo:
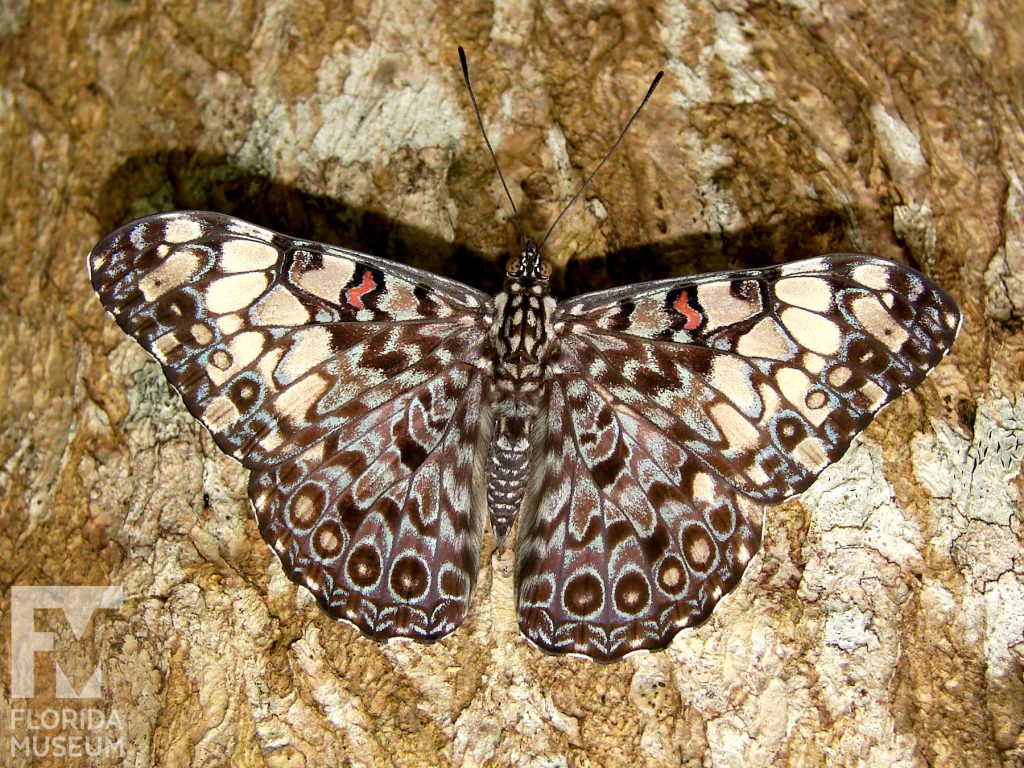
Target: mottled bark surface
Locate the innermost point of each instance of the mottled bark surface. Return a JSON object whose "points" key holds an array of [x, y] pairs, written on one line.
{"points": [[882, 623]]}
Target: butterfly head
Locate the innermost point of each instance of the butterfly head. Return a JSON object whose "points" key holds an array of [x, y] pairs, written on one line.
{"points": [[529, 265]]}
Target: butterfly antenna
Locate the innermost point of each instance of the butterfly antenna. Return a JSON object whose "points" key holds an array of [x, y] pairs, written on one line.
{"points": [[480, 122], [654, 84]]}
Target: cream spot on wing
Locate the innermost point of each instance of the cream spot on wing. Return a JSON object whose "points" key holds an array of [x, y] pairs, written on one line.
{"points": [[174, 272], [740, 434], [771, 401], [220, 360], [811, 453], [219, 413], [813, 363], [271, 441], [872, 276], [293, 403], [280, 307], [811, 293], [794, 385], [329, 281], [229, 324], [241, 255], [314, 455], [875, 395], [269, 361], [757, 474], [98, 262], [816, 400], [328, 541], [698, 550], [839, 375], [732, 377], [704, 488], [742, 553], [261, 497], [245, 229], [878, 322], [163, 346], [722, 308], [671, 575], [201, 334], [765, 340], [181, 230], [814, 409], [229, 294], [245, 347], [242, 350], [309, 348], [889, 299], [812, 331], [797, 267]]}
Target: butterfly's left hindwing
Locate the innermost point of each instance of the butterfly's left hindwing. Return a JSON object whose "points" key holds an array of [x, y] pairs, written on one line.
{"points": [[675, 407], [350, 385], [631, 538]]}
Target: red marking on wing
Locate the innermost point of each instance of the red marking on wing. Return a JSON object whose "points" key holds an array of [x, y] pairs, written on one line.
{"points": [[682, 306], [354, 296]]}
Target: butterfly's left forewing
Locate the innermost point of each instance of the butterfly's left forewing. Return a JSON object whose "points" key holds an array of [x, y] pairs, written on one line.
{"points": [[674, 407], [764, 375], [351, 386]]}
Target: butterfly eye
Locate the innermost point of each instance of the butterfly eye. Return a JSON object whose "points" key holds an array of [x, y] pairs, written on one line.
{"points": [[512, 265], [545, 270]]}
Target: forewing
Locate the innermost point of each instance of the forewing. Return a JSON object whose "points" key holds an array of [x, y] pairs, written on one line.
{"points": [[350, 385], [273, 341], [765, 376]]}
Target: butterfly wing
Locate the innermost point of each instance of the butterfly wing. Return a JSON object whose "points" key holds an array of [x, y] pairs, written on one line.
{"points": [[630, 538], [676, 407], [349, 385]]}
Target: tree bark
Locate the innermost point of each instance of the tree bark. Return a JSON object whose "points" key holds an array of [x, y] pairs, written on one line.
{"points": [[883, 621]]}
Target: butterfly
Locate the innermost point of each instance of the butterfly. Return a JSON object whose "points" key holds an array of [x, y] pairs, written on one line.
{"points": [[630, 438]]}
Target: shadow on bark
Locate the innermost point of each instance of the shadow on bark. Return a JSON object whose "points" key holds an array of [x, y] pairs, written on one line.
{"points": [[180, 179]]}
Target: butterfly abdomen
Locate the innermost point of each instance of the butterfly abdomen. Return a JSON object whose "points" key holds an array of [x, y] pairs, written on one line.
{"points": [[507, 469], [523, 340]]}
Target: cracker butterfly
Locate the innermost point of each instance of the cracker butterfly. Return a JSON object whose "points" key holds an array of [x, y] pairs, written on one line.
{"points": [[631, 436]]}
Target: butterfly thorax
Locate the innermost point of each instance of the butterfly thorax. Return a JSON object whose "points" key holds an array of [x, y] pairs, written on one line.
{"points": [[523, 341]]}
